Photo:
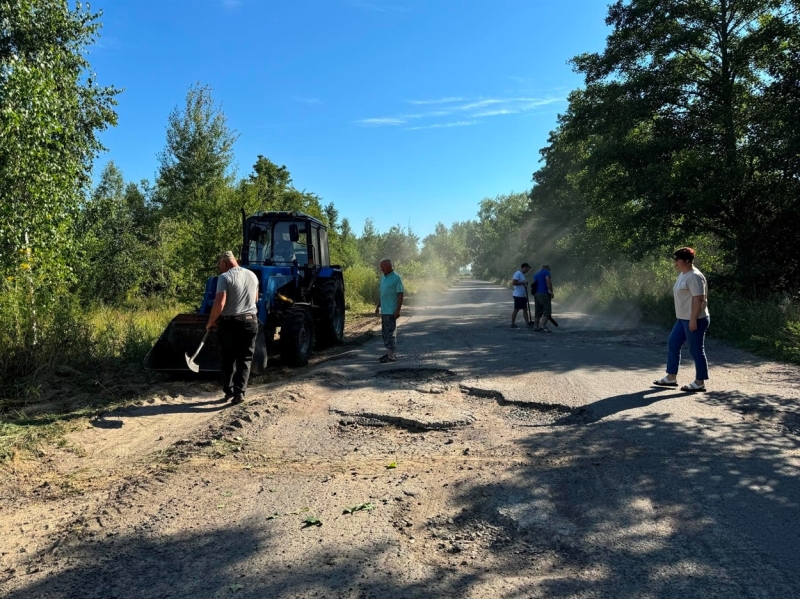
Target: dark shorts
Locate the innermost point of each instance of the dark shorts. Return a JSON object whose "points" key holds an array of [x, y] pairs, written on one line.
{"points": [[520, 303], [543, 305]]}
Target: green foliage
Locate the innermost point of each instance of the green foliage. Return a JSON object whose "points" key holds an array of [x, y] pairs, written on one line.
{"points": [[269, 187], [51, 110], [681, 132], [448, 248], [361, 287], [114, 227], [194, 192], [344, 246], [498, 242]]}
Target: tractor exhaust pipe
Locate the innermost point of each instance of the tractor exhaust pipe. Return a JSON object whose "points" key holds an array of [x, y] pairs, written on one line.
{"points": [[244, 258]]}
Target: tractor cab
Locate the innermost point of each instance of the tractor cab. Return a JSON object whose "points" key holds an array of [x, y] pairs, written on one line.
{"points": [[285, 238]]}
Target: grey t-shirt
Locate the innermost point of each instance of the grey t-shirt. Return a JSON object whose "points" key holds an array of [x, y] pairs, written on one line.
{"points": [[241, 287]]}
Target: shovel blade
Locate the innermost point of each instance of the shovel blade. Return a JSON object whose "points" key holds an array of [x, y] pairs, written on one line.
{"points": [[194, 367], [183, 335]]}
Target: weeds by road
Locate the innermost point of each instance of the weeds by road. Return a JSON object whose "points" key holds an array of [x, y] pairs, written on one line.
{"points": [[63, 398]]}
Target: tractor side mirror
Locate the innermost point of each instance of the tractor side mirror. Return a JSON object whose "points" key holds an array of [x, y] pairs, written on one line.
{"points": [[294, 233]]}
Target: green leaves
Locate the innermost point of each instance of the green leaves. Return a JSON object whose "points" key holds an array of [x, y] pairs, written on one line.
{"points": [[671, 139], [312, 521], [366, 507], [49, 120]]}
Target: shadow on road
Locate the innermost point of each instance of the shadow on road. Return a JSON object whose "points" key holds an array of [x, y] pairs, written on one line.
{"points": [[626, 508]]}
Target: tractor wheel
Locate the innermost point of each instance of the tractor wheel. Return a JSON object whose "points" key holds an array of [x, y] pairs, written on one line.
{"points": [[330, 321], [259, 364], [297, 337]]}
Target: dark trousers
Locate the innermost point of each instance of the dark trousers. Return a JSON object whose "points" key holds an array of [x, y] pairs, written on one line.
{"points": [[237, 341]]}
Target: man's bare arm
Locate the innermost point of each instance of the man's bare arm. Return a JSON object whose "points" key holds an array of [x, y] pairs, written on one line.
{"points": [[216, 309]]}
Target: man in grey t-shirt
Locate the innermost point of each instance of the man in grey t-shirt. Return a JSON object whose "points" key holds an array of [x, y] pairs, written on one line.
{"points": [[234, 314]]}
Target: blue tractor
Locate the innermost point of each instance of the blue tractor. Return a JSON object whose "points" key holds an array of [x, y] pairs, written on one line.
{"points": [[301, 297]]}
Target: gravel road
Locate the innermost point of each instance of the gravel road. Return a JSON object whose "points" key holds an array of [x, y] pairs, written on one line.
{"points": [[486, 462]]}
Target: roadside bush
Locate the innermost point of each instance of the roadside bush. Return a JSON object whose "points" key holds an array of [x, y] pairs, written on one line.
{"points": [[33, 341], [769, 327], [361, 288], [127, 334]]}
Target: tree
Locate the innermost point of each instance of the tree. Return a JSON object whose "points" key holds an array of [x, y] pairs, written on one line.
{"points": [[399, 245], [113, 229], [195, 191], [497, 242], [51, 110], [448, 247], [198, 155], [344, 250], [269, 188], [666, 126], [369, 244]]}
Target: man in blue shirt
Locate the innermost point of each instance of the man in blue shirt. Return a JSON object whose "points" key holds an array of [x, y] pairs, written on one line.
{"points": [[542, 298], [389, 304]]}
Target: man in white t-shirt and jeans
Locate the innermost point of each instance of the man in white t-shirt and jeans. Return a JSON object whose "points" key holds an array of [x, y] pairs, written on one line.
{"points": [[520, 295], [690, 294], [235, 315]]}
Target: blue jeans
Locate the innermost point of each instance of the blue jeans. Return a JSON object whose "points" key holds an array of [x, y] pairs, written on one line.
{"points": [[681, 334]]}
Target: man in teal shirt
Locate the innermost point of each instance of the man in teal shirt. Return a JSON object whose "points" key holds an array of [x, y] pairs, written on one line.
{"points": [[389, 304]]}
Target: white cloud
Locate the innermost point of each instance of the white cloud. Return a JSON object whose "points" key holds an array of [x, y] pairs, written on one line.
{"points": [[444, 125], [381, 122], [481, 103], [454, 107], [440, 101], [495, 112]]}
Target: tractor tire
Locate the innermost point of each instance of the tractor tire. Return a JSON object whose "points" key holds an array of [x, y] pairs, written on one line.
{"points": [[260, 358], [297, 337], [330, 320]]}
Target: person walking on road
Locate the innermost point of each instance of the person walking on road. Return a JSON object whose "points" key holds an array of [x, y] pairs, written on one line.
{"points": [[234, 314], [389, 304], [542, 299], [520, 295], [690, 294]]}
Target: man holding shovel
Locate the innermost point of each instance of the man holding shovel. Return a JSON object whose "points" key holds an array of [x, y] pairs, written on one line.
{"points": [[234, 313], [520, 295]]}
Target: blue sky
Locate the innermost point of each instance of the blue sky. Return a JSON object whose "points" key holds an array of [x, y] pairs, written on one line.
{"points": [[406, 111]]}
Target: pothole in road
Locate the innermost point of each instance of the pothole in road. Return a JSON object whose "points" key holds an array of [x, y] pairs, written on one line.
{"points": [[418, 375], [436, 381], [547, 415], [530, 413]]}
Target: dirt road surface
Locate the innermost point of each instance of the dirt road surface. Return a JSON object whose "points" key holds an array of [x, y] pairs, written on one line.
{"points": [[485, 462]]}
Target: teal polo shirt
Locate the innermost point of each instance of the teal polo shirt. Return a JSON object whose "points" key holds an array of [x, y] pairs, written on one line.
{"points": [[391, 285]]}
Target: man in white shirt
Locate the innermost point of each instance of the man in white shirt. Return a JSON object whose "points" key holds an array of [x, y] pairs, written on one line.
{"points": [[520, 295]]}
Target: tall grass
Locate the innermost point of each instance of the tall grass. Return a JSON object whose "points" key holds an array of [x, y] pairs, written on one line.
{"points": [[50, 380], [71, 336], [360, 288], [769, 327]]}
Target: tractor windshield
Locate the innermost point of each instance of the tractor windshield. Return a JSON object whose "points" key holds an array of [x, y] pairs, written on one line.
{"points": [[276, 245], [260, 248]]}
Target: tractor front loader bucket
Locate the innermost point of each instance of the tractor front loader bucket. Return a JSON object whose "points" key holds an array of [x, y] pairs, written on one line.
{"points": [[181, 337]]}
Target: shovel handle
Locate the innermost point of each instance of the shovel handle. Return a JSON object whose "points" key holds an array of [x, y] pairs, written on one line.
{"points": [[199, 347]]}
